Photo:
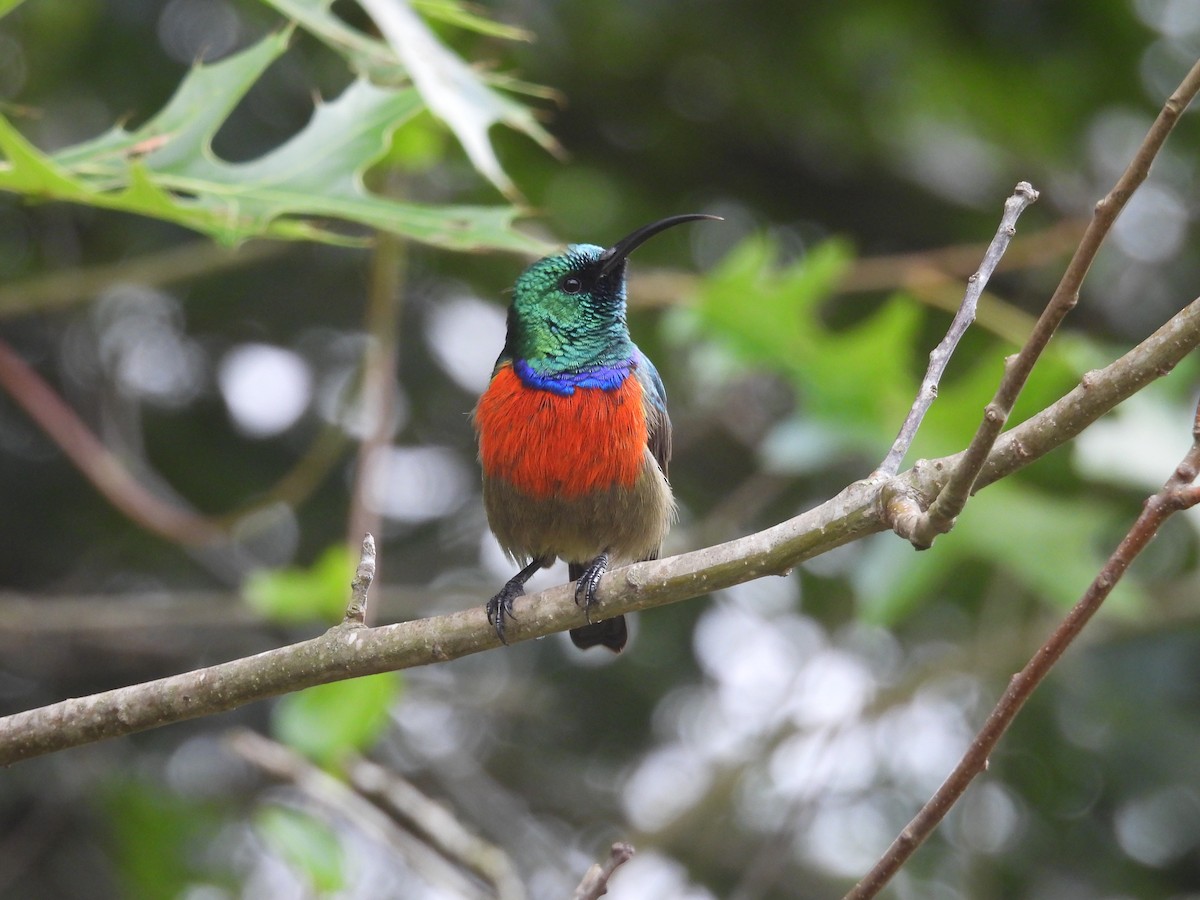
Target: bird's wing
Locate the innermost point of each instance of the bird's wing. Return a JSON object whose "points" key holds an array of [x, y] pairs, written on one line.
{"points": [[658, 423]]}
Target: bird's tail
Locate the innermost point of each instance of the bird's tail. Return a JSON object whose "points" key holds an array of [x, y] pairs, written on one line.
{"points": [[610, 633]]}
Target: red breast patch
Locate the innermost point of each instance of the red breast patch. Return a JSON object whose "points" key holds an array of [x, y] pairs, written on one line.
{"points": [[546, 444]]}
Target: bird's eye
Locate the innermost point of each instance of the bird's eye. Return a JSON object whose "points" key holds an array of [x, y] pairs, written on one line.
{"points": [[571, 285]]}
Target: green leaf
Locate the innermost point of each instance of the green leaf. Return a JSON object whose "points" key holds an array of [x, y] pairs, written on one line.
{"points": [[330, 720], [365, 54], [7, 6], [859, 377], [302, 595], [454, 13], [167, 169], [308, 845], [455, 92]]}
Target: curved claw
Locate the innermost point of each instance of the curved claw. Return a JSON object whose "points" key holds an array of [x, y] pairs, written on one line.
{"points": [[589, 580], [502, 605]]}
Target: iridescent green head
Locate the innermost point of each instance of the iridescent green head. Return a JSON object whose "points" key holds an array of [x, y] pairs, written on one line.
{"points": [[568, 310]]}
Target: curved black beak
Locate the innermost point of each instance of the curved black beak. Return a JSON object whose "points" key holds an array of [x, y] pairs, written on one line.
{"points": [[618, 252]]}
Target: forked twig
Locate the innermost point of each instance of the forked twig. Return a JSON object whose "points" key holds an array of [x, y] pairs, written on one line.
{"points": [[921, 530], [1178, 493], [1023, 195]]}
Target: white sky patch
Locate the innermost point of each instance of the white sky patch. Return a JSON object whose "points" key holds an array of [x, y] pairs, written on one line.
{"points": [[142, 342], [666, 784], [1153, 225], [465, 336], [652, 876], [266, 388], [417, 484], [1139, 444]]}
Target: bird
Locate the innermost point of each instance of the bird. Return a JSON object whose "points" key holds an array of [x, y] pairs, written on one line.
{"points": [[573, 432]]}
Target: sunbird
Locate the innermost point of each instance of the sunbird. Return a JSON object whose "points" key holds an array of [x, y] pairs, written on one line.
{"points": [[574, 437]]}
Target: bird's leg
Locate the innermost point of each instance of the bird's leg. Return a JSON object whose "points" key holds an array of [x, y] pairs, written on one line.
{"points": [[501, 605], [585, 588]]}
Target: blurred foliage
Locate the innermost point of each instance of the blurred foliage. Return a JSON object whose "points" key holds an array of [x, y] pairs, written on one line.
{"points": [[303, 595], [152, 834], [767, 742], [309, 846], [331, 720]]}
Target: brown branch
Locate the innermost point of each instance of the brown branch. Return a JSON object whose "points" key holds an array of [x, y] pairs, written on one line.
{"points": [[1177, 493], [94, 461], [595, 882], [297, 483], [115, 481], [950, 501], [28, 618], [1023, 195], [348, 651]]}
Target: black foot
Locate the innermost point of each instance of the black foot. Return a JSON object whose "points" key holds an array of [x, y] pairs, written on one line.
{"points": [[585, 587], [501, 605]]}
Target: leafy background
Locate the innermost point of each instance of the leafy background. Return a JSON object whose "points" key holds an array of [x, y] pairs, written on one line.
{"points": [[765, 742]]}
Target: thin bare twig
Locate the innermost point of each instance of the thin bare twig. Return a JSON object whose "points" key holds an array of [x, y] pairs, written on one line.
{"points": [[437, 825], [1023, 195], [595, 881], [377, 396], [350, 651], [356, 609], [923, 529], [286, 765], [1178, 493]]}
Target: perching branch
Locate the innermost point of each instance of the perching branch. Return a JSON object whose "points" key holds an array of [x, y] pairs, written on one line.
{"points": [[349, 650], [939, 518], [1177, 494], [1023, 195]]}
